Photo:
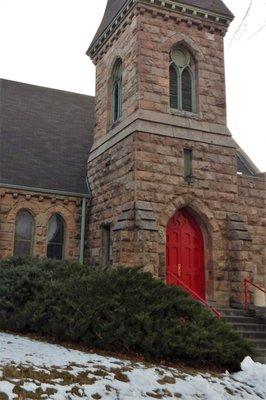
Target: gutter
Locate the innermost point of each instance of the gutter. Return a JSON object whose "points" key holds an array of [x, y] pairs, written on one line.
{"points": [[48, 191], [82, 230], [83, 196], [83, 222]]}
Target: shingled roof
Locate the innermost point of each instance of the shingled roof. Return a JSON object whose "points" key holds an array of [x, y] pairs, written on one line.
{"points": [[216, 6], [114, 6], [45, 137]]}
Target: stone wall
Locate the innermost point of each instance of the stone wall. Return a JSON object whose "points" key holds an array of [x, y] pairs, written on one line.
{"points": [[144, 43], [112, 179], [126, 48], [136, 167], [42, 206], [252, 201], [210, 196], [229, 208], [158, 33], [138, 185]]}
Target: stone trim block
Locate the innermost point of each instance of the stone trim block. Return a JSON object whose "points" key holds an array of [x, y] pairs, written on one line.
{"points": [[237, 228], [235, 217], [138, 215]]}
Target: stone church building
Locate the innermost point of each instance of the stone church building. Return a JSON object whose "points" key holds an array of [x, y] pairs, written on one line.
{"points": [[147, 172]]}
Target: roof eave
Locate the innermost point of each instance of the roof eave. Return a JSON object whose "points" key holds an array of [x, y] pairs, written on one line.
{"points": [[97, 43], [119, 15]]}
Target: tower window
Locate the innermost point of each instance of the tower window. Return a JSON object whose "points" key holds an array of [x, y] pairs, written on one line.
{"points": [[24, 234], [188, 163], [117, 91], [107, 258], [56, 237], [174, 84], [182, 80]]}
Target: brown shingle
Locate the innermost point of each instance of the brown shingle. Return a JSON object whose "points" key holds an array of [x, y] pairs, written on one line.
{"points": [[45, 137]]}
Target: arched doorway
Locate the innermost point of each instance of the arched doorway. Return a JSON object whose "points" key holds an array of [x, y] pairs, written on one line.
{"points": [[185, 253]]}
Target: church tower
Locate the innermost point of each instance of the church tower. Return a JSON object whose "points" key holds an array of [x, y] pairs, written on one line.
{"points": [[162, 168]]}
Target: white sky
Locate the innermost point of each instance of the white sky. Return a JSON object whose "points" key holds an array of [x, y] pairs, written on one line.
{"points": [[43, 42]]}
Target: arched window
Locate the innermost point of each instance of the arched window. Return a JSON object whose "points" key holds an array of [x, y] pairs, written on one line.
{"points": [[56, 237], [24, 234], [117, 91], [182, 80]]}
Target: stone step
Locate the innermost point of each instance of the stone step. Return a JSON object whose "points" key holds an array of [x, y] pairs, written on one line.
{"points": [[258, 343], [248, 326], [261, 359], [242, 319], [261, 355], [253, 335], [236, 312], [254, 327]]}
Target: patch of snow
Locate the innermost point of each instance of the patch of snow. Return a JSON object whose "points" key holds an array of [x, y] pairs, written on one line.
{"points": [[61, 373], [22, 350], [254, 374], [7, 388]]}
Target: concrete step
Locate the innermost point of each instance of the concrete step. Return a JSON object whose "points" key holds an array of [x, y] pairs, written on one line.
{"points": [[253, 335], [260, 355], [261, 359], [248, 326], [235, 312], [241, 319], [254, 327], [259, 344]]}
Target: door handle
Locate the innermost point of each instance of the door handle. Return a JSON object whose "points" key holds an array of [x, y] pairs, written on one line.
{"points": [[179, 270]]}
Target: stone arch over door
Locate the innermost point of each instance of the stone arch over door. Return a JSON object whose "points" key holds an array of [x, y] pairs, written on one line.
{"points": [[212, 238]]}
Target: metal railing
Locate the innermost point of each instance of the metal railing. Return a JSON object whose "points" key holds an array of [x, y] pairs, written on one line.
{"points": [[196, 296], [248, 282]]}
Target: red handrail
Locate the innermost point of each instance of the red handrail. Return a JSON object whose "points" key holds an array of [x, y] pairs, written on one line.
{"points": [[197, 296], [246, 293]]}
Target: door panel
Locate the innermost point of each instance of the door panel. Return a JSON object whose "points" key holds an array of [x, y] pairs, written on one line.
{"points": [[185, 253]]}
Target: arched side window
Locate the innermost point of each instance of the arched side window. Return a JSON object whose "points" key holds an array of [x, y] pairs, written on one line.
{"points": [[24, 234], [182, 80], [117, 91], [56, 237]]}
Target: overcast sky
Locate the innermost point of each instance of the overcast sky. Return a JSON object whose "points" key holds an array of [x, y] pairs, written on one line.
{"points": [[43, 42]]}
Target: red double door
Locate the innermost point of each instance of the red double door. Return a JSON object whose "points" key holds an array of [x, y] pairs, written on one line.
{"points": [[185, 253]]}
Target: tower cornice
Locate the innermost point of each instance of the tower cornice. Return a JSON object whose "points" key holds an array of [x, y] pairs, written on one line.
{"points": [[178, 7]]}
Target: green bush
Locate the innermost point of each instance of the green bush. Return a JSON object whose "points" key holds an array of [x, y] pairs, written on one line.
{"points": [[120, 309]]}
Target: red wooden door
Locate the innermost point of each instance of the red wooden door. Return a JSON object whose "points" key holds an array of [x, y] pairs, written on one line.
{"points": [[185, 253]]}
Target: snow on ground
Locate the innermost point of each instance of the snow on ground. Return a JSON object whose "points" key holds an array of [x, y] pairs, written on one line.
{"points": [[31, 369]]}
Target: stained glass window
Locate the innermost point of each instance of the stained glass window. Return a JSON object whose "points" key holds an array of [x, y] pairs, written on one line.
{"points": [[24, 234], [56, 237], [182, 80], [117, 91]]}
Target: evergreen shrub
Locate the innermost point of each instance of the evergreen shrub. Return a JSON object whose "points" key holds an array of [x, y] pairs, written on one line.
{"points": [[115, 309]]}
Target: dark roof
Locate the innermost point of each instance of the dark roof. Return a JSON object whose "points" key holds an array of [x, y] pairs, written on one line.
{"points": [[112, 9], [114, 6], [216, 6], [243, 168], [45, 137]]}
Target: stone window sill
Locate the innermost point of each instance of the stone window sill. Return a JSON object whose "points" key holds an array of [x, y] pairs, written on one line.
{"points": [[114, 124], [187, 114]]}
